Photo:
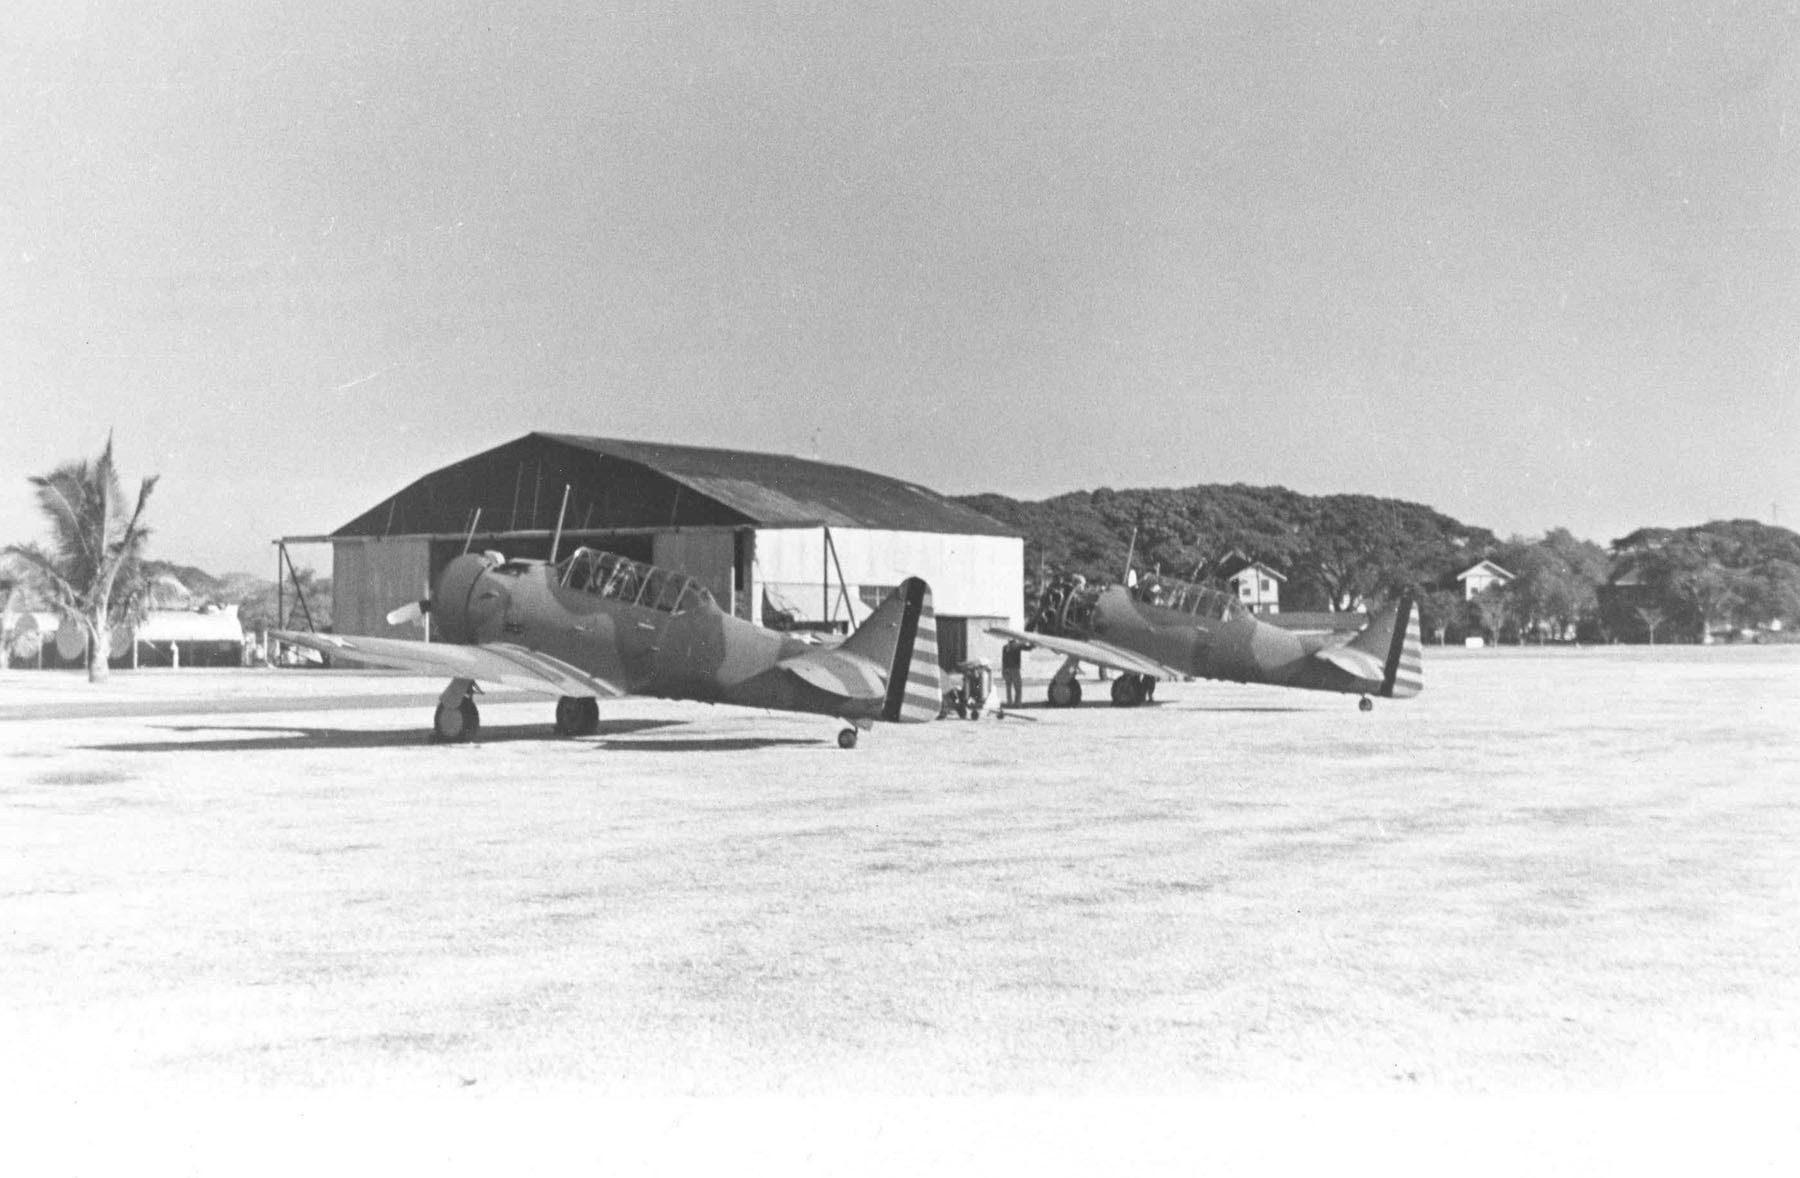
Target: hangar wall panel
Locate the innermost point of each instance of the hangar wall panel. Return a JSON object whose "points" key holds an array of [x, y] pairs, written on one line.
{"points": [[982, 645], [970, 576], [370, 578]]}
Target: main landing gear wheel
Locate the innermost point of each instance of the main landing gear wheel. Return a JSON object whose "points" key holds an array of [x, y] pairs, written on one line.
{"points": [[1064, 693], [577, 715], [847, 738], [1128, 691], [1365, 704], [458, 723]]}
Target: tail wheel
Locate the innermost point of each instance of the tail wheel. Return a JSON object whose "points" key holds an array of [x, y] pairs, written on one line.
{"points": [[456, 724], [1128, 691], [1064, 693], [1365, 704], [847, 738]]}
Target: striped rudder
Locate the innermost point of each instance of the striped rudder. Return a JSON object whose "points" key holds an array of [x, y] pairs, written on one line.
{"points": [[915, 692], [900, 639], [915, 685], [1404, 675]]}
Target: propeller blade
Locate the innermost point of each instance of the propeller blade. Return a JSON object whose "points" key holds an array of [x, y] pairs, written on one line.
{"points": [[412, 611]]}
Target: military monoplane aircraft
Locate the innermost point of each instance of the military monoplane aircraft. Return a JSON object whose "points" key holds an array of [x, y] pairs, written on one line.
{"points": [[1160, 628], [597, 624]]}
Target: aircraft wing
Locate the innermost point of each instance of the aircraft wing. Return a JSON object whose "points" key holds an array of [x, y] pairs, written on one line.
{"points": [[496, 662], [1102, 654]]}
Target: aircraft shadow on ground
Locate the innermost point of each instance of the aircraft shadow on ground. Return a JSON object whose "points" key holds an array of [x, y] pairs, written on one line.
{"points": [[722, 744], [292, 737], [1039, 706], [1243, 708]]}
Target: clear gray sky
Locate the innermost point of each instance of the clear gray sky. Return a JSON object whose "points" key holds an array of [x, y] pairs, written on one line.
{"points": [[1533, 264]]}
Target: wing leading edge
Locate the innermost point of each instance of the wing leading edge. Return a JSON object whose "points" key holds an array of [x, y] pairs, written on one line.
{"points": [[499, 663], [1100, 653]]}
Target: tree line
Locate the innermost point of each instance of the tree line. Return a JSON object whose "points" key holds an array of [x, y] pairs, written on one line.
{"points": [[1340, 552], [1337, 552]]}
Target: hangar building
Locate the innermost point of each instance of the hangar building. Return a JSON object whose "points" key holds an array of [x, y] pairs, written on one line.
{"points": [[783, 541]]}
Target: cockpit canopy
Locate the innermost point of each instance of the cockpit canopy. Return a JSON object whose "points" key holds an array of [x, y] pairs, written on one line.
{"points": [[617, 578], [1068, 604], [1183, 597]]}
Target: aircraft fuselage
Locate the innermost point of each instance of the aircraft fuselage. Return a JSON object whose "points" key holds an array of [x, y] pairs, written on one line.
{"points": [[1201, 632], [687, 649]]}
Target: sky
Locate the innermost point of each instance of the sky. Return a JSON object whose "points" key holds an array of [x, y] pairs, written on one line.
{"points": [[1536, 264]]}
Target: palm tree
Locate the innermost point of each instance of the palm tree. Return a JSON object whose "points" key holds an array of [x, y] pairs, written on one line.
{"points": [[90, 567]]}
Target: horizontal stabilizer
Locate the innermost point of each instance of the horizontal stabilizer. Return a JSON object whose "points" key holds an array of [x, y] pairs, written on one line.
{"points": [[1387, 655], [1353, 660], [832, 670], [891, 657]]}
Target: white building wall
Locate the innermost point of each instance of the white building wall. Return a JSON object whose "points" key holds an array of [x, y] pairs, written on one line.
{"points": [[970, 576], [1482, 577], [371, 577], [1249, 587]]}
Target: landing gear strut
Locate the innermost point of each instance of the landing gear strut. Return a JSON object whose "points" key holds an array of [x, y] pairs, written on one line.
{"points": [[457, 719], [577, 715]]}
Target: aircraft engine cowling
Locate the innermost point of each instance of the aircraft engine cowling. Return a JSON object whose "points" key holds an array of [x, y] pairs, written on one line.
{"points": [[453, 599], [1066, 608]]}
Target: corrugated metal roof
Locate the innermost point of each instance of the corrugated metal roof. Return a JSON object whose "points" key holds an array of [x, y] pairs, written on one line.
{"points": [[776, 489]]}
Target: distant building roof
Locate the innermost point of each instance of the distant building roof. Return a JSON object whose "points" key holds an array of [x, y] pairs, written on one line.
{"points": [[1237, 563], [1492, 569], [616, 483]]}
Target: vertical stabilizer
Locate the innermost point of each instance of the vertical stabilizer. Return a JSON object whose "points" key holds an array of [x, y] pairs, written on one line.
{"points": [[901, 637]]}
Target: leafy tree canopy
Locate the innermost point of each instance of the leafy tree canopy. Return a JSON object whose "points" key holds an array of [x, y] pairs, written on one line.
{"points": [[1725, 573], [1336, 550]]}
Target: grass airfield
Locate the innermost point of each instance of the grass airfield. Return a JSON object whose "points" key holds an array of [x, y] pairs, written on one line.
{"points": [[1563, 871]]}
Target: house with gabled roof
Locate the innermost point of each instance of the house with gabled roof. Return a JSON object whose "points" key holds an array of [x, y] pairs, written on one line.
{"points": [[1256, 586], [1483, 574]]}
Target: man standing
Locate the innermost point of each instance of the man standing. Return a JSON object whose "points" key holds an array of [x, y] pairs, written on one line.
{"points": [[1011, 664]]}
